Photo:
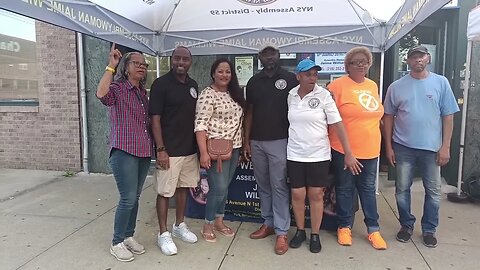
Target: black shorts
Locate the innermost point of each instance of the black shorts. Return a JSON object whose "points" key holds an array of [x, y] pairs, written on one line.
{"points": [[309, 174]]}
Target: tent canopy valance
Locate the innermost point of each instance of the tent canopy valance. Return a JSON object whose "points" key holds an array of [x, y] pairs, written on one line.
{"points": [[473, 26], [235, 26]]}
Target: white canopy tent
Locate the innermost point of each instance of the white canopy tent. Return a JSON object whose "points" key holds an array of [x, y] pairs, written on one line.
{"points": [[235, 26], [473, 34]]}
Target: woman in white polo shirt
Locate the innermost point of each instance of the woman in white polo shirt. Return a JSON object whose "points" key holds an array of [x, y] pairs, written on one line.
{"points": [[311, 109]]}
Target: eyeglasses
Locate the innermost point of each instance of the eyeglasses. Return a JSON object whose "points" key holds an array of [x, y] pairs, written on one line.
{"points": [[359, 62], [139, 64]]}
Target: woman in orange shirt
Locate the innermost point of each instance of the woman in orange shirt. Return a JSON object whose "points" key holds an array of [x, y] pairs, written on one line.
{"points": [[360, 107]]}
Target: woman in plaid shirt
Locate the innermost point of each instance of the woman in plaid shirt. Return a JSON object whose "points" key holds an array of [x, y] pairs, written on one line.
{"points": [[131, 142]]}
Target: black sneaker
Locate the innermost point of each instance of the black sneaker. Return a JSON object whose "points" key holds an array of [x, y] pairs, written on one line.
{"points": [[404, 234], [315, 245], [298, 239], [429, 240]]}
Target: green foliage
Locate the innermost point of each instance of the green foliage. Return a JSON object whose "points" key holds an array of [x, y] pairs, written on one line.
{"points": [[69, 173]]}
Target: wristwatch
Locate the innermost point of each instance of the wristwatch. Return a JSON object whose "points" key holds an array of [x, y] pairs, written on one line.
{"points": [[161, 149]]}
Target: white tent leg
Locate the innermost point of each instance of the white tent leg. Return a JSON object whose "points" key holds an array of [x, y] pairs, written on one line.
{"points": [[157, 58], [466, 88], [380, 87], [83, 102]]}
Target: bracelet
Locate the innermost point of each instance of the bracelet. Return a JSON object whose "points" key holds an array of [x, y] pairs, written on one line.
{"points": [[112, 70], [161, 149]]}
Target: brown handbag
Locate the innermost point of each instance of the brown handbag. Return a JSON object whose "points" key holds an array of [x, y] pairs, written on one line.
{"points": [[221, 149]]}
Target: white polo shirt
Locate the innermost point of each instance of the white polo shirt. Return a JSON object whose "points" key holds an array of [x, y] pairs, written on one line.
{"points": [[309, 119]]}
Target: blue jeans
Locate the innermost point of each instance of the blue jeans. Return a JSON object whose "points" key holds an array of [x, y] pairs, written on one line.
{"points": [[406, 160], [218, 187], [130, 173], [345, 186]]}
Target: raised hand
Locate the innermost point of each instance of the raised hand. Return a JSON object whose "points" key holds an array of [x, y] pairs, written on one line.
{"points": [[114, 57]]}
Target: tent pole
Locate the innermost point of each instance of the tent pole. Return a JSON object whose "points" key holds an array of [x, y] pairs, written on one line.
{"points": [[158, 65], [83, 102], [363, 22], [380, 88], [466, 88]]}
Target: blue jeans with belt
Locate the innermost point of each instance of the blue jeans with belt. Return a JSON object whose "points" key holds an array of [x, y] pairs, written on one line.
{"points": [[406, 160], [345, 186], [218, 183], [130, 173]]}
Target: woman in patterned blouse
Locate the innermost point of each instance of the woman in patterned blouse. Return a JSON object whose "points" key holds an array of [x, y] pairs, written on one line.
{"points": [[219, 115]]}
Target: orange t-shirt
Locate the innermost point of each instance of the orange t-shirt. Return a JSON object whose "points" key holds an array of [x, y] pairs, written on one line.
{"points": [[361, 109]]}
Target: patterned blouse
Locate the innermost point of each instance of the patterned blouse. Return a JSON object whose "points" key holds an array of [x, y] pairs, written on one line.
{"points": [[219, 115]]}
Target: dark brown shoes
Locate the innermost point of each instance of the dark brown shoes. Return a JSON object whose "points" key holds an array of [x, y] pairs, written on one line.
{"points": [[281, 246], [263, 232]]}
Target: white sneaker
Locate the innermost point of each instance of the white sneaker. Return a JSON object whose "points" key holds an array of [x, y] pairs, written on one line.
{"points": [[181, 231], [166, 244], [121, 252], [134, 246]]}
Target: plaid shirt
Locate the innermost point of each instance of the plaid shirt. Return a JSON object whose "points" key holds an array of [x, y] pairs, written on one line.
{"points": [[129, 119]]}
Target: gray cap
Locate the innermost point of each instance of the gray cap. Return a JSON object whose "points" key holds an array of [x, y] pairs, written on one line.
{"points": [[268, 46], [418, 48]]}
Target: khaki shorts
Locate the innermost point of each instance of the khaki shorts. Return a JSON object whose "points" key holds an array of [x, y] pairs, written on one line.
{"points": [[183, 172]]}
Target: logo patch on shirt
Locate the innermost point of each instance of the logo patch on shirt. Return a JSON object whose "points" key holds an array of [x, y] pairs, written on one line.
{"points": [[368, 102], [313, 103], [193, 93], [281, 84]]}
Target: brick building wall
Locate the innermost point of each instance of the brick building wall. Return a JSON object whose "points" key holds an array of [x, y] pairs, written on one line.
{"points": [[48, 136]]}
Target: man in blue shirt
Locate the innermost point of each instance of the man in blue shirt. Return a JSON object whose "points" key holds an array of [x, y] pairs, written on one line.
{"points": [[418, 125]]}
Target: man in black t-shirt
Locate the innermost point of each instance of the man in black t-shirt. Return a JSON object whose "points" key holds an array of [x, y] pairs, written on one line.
{"points": [[173, 99], [266, 133]]}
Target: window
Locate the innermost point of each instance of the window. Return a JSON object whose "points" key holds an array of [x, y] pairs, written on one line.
{"points": [[23, 66], [18, 60], [152, 68]]}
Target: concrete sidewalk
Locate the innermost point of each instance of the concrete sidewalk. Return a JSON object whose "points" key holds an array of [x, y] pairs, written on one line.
{"points": [[48, 221]]}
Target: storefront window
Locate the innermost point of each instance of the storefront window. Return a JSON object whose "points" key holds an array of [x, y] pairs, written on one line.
{"points": [[332, 64], [152, 68], [18, 60]]}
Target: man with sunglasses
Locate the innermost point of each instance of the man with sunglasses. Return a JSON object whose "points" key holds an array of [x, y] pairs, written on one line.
{"points": [[173, 99], [418, 124]]}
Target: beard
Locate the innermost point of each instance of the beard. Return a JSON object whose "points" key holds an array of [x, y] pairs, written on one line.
{"points": [[270, 65]]}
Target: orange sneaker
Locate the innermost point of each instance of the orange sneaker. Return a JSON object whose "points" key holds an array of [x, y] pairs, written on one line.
{"points": [[377, 241], [344, 236]]}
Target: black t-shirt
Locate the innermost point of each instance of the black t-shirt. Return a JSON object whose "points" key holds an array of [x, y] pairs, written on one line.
{"points": [[268, 95], [175, 102]]}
